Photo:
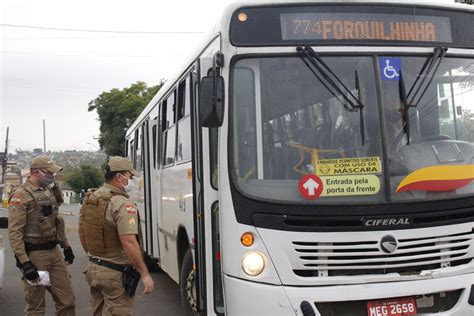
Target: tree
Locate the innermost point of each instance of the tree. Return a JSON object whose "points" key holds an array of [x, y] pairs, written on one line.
{"points": [[117, 109], [84, 177], [467, 125]]}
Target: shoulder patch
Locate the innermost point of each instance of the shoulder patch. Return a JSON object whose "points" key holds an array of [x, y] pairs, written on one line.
{"points": [[132, 223], [16, 199], [131, 209]]}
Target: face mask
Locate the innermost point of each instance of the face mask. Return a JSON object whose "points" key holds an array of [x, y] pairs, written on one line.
{"points": [[46, 179], [127, 187]]}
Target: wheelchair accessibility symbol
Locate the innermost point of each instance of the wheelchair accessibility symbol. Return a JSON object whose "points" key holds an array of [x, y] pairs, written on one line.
{"points": [[390, 68]]}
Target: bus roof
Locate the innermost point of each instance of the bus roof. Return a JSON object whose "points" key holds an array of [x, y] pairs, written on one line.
{"points": [[222, 24], [435, 3]]}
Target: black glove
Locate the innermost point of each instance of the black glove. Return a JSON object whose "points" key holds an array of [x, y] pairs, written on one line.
{"points": [[18, 263], [29, 271], [68, 255]]}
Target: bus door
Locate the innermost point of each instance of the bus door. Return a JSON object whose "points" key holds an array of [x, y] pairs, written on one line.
{"points": [[206, 254], [137, 192], [151, 188]]}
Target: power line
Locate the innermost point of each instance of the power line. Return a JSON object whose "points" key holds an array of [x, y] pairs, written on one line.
{"points": [[97, 31], [93, 37]]}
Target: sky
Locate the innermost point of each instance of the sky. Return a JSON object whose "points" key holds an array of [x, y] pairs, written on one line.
{"points": [[52, 75]]}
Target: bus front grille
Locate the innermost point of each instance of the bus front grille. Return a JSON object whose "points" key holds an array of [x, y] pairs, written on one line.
{"points": [[410, 256]]}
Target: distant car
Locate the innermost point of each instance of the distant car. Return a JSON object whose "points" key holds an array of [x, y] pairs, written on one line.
{"points": [[3, 225]]}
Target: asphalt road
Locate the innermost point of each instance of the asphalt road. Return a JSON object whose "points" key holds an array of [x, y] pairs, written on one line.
{"points": [[164, 300]]}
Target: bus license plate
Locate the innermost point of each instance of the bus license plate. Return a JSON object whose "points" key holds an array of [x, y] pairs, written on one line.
{"points": [[392, 307]]}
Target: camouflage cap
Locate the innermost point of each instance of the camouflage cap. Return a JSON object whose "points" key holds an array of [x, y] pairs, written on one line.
{"points": [[43, 162], [117, 163]]}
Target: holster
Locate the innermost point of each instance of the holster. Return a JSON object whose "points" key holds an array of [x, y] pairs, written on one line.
{"points": [[130, 279]]}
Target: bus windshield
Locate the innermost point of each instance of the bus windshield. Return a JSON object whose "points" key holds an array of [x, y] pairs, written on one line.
{"points": [[286, 123]]}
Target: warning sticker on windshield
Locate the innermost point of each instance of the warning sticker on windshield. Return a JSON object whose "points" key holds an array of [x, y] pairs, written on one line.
{"points": [[312, 186], [350, 185], [348, 166]]}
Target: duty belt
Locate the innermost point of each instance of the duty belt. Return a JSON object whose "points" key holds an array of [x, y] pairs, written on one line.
{"points": [[107, 264], [29, 247]]}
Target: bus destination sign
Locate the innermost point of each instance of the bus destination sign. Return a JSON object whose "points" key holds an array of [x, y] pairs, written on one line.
{"points": [[365, 27]]}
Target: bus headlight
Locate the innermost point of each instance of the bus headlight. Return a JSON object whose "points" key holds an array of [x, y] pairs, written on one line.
{"points": [[253, 263]]}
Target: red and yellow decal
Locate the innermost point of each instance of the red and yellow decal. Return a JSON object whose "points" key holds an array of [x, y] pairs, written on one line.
{"points": [[438, 178], [15, 200], [131, 209]]}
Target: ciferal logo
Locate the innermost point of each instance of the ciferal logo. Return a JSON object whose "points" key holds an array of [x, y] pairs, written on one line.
{"points": [[388, 244], [386, 221]]}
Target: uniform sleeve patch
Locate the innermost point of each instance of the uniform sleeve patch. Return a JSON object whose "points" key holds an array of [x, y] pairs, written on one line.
{"points": [[131, 209], [132, 223], [15, 200]]}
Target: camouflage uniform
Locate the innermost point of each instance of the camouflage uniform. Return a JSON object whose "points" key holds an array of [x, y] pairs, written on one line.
{"points": [[35, 228], [106, 214]]}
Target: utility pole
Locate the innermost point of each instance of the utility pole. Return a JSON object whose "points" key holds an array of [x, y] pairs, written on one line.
{"points": [[4, 164], [44, 136]]}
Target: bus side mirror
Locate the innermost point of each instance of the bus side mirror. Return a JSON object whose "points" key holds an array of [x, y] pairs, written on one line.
{"points": [[211, 101]]}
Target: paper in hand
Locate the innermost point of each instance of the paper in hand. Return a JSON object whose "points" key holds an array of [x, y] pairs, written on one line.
{"points": [[43, 279]]}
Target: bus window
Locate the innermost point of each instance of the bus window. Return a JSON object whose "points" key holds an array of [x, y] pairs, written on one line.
{"points": [[187, 107], [163, 115], [213, 155], [184, 124], [169, 130], [138, 157], [170, 109], [441, 126], [132, 151], [154, 130], [244, 105], [181, 98], [285, 122]]}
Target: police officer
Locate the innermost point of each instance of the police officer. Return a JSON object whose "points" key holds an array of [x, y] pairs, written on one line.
{"points": [[108, 230], [35, 229]]}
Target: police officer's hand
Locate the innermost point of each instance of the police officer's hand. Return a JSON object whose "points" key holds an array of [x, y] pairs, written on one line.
{"points": [[68, 255], [147, 282], [30, 272]]}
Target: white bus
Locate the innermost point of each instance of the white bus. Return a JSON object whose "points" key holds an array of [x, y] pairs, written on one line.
{"points": [[316, 158]]}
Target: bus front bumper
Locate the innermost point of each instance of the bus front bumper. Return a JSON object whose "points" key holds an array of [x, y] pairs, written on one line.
{"points": [[252, 298]]}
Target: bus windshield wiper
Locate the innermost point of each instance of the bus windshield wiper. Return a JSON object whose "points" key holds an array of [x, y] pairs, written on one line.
{"points": [[328, 75], [333, 83], [404, 108], [426, 75], [361, 113]]}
